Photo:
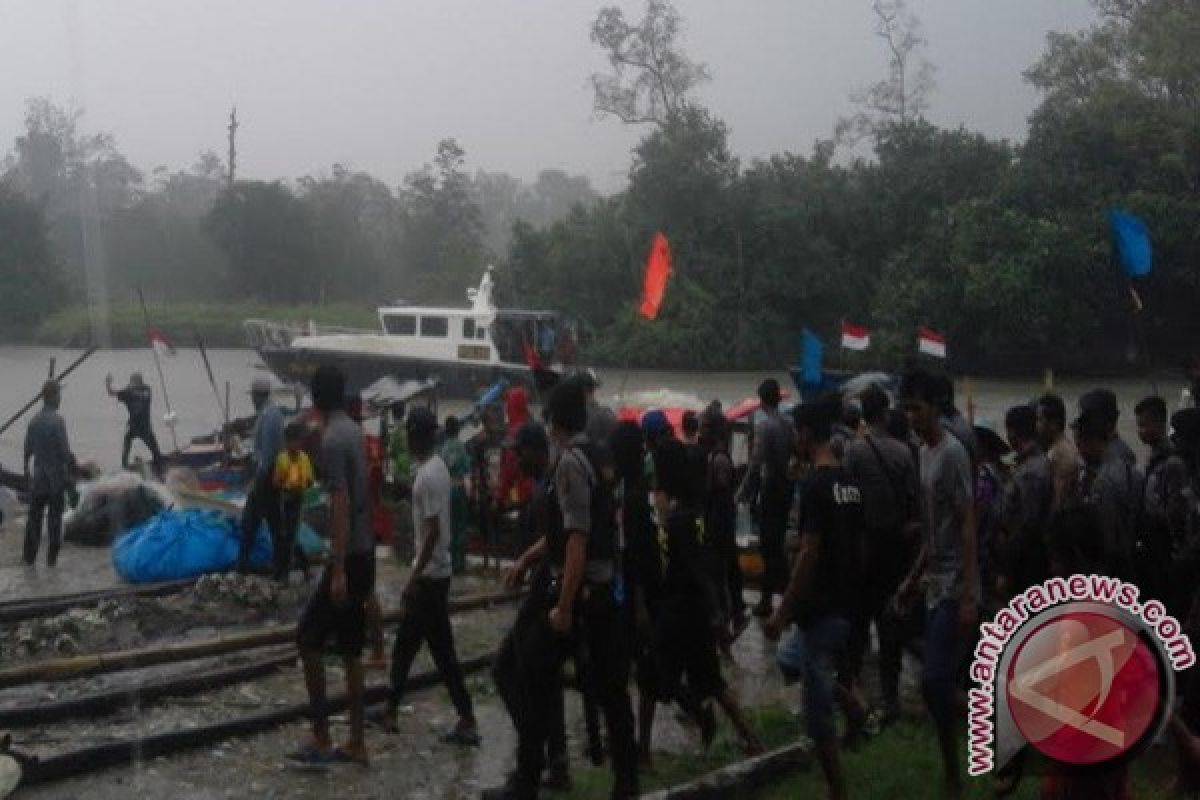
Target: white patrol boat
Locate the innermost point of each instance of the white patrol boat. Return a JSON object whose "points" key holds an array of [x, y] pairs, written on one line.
{"points": [[463, 349]]}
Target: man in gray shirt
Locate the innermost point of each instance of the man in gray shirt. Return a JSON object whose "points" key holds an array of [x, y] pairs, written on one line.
{"points": [[767, 478], [948, 563], [884, 470], [46, 444], [338, 607]]}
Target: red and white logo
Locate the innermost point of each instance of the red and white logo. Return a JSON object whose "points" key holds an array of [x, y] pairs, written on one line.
{"points": [[1084, 688]]}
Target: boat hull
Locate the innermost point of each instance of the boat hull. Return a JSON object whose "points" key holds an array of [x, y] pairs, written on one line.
{"points": [[456, 379]]}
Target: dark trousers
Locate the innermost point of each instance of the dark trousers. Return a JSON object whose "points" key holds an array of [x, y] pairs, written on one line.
{"points": [[39, 504], [263, 502], [427, 620], [528, 674], [726, 572], [888, 559], [772, 529], [284, 545], [149, 439]]}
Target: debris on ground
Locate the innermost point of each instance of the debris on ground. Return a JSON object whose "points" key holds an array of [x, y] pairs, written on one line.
{"points": [[254, 591]]}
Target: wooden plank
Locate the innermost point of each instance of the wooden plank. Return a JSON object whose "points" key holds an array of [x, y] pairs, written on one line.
{"points": [[737, 779], [63, 669], [131, 751]]}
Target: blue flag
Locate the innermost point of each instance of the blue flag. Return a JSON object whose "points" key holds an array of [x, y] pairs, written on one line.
{"points": [[1133, 243], [810, 362]]}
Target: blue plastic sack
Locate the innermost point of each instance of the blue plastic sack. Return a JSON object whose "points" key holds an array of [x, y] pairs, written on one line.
{"points": [[183, 544]]}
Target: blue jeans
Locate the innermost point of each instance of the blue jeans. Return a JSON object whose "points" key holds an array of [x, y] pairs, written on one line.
{"points": [[941, 659], [809, 654]]}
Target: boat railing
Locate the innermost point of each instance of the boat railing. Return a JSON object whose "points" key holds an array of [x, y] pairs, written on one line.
{"points": [[272, 333]]}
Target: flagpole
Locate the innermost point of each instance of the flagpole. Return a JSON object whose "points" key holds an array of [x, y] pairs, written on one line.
{"points": [[1139, 326], [162, 381]]}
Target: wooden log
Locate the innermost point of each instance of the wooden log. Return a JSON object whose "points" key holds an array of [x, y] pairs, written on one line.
{"points": [[63, 669], [34, 607], [129, 751], [737, 779], [101, 703]]}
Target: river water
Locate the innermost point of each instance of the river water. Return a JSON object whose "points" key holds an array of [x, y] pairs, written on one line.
{"points": [[96, 423]]}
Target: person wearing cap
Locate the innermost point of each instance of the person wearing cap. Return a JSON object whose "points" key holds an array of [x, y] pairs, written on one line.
{"points": [[768, 479], [426, 618], [137, 399], [1061, 453], [46, 445], [263, 501], [337, 609], [581, 545], [1110, 487], [531, 446], [1164, 506]]}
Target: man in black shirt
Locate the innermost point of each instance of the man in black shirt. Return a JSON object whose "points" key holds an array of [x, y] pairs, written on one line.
{"points": [[137, 399], [826, 573]]}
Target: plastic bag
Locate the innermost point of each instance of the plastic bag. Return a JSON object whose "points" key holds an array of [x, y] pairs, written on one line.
{"points": [[184, 544]]}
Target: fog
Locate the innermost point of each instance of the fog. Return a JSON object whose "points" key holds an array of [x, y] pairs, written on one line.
{"points": [[377, 84]]}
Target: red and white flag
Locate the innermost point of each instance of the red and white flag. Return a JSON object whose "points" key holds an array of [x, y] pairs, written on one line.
{"points": [[855, 337], [160, 343], [931, 343]]}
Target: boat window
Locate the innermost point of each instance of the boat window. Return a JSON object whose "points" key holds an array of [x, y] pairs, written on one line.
{"points": [[400, 324], [468, 329], [435, 326]]}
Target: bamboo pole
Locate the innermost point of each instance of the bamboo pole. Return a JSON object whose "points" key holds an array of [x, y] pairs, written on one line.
{"points": [[62, 376], [64, 669]]}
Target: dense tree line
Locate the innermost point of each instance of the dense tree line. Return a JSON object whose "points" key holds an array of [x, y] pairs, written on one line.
{"points": [[893, 222], [1002, 246]]}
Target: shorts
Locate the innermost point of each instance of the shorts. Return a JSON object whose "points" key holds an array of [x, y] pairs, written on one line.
{"points": [[810, 654], [345, 623]]}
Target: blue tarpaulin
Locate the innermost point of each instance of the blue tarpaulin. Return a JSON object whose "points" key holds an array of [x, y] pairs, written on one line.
{"points": [[183, 544]]}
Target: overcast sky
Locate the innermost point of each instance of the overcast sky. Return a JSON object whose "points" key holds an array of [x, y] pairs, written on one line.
{"points": [[376, 83]]}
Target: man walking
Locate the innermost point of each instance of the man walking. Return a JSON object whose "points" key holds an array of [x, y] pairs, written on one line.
{"points": [[426, 595], [1025, 519], [338, 608], [46, 444], [820, 594], [948, 564], [1165, 505], [1061, 453], [774, 441], [137, 399], [580, 543], [263, 502], [884, 471]]}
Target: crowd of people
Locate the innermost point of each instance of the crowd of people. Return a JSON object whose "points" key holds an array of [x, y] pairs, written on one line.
{"points": [[903, 519]]}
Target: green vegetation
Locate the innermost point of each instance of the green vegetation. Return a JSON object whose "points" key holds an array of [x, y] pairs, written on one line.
{"points": [[903, 762], [891, 222], [219, 325]]}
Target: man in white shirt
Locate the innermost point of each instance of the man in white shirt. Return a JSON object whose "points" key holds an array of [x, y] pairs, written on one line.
{"points": [[426, 615]]}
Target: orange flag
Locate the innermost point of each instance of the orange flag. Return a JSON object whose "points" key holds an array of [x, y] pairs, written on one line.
{"points": [[658, 269]]}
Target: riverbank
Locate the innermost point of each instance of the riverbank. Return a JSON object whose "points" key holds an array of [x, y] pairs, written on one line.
{"points": [[220, 324]]}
